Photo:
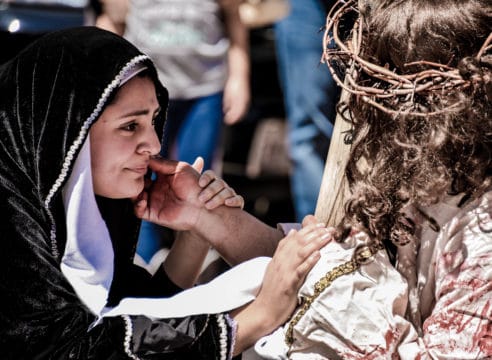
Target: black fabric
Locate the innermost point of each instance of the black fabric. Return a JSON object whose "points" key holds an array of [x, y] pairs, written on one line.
{"points": [[46, 95], [130, 280], [159, 341]]}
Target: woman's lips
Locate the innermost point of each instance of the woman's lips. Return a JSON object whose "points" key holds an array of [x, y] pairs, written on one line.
{"points": [[141, 170]]}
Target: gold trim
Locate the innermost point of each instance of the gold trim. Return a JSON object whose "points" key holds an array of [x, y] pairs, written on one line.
{"points": [[363, 254]]}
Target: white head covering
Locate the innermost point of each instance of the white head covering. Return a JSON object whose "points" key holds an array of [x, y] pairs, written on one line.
{"points": [[88, 259], [133, 71]]}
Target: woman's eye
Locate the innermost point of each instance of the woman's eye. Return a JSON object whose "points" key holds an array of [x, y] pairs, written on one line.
{"points": [[130, 127]]}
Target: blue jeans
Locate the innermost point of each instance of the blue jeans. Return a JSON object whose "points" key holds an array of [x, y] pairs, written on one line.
{"points": [[193, 128], [310, 97]]}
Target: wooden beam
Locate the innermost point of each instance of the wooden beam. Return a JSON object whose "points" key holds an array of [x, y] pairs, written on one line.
{"points": [[333, 191], [334, 188]]}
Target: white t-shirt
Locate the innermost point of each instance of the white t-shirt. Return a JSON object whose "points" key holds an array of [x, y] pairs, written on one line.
{"points": [[185, 39]]}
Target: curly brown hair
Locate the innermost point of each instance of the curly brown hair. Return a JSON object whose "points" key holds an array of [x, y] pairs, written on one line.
{"points": [[416, 147]]}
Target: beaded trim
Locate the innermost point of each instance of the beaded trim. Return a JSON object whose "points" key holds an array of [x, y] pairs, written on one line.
{"points": [[223, 336], [201, 331], [78, 142], [233, 325], [128, 337]]}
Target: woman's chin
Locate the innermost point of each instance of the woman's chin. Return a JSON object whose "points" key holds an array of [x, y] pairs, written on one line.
{"points": [[130, 191], [135, 190]]}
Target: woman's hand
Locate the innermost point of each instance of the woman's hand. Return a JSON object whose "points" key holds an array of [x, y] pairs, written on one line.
{"points": [[172, 198], [296, 254], [294, 258]]}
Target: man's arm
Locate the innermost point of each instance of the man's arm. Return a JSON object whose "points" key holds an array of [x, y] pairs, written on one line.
{"points": [[237, 88], [237, 235], [185, 259], [113, 16], [172, 201], [184, 262]]}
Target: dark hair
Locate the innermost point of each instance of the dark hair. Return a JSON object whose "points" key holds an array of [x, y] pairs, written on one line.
{"points": [[398, 158]]}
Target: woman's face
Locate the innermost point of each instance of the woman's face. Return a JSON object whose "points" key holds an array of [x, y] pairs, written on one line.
{"points": [[123, 139]]}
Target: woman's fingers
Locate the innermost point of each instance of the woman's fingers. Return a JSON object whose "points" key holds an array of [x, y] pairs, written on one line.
{"points": [[314, 240], [298, 247], [305, 267], [163, 166], [295, 256], [309, 220]]}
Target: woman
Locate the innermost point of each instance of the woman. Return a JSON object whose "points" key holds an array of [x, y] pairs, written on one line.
{"points": [[82, 111], [419, 74]]}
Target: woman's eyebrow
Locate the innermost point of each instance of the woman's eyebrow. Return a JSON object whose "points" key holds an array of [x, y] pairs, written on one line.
{"points": [[135, 113], [139, 113]]}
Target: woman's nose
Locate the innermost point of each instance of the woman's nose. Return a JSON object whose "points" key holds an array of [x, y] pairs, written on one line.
{"points": [[151, 143]]}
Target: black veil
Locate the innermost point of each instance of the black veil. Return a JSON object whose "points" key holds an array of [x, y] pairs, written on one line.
{"points": [[50, 94]]}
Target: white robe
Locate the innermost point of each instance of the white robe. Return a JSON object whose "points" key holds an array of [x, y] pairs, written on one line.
{"points": [[435, 304]]}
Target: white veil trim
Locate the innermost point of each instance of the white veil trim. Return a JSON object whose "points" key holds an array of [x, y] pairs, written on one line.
{"points": [[87, 261]]}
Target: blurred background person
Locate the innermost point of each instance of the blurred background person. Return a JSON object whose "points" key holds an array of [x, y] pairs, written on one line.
{"points": [[310, 97]]}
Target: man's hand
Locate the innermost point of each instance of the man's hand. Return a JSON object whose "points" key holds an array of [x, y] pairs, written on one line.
{"points": [[172, 199]]}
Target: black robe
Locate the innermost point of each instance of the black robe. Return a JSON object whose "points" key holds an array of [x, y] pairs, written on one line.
{"points": [[50, 94]]}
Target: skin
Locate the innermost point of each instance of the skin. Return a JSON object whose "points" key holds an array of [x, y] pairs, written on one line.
{"points": [[124, 139], [237, 87], [163, 203]]}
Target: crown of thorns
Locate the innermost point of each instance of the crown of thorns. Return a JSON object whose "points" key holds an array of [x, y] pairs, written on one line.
{"points": [[392, 86]]}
